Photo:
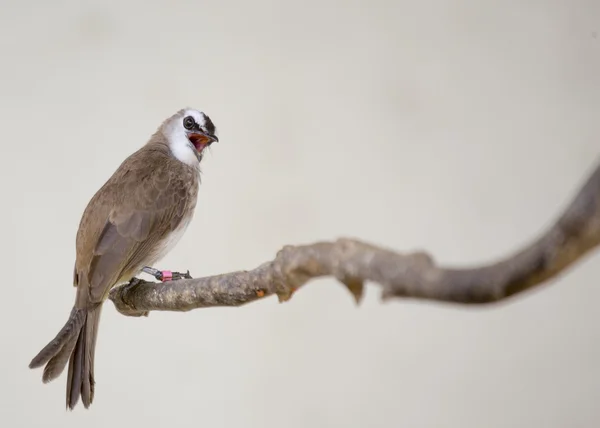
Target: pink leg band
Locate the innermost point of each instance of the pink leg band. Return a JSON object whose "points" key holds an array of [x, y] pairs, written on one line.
{"points": [[167, 275]]}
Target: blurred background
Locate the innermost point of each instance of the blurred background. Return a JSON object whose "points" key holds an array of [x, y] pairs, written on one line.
{"points": [[460, 127]]}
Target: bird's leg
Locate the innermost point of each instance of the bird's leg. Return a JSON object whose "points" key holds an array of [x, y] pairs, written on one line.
{"points": [[166, 275]]}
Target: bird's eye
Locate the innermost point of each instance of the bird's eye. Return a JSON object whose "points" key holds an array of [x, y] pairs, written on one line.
{"points": [[189, 122]]}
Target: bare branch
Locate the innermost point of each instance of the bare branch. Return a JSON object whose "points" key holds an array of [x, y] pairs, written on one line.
{"points": [[413, 275]]}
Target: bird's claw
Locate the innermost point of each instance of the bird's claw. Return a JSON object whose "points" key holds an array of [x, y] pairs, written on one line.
{"points": [[133, 282]]}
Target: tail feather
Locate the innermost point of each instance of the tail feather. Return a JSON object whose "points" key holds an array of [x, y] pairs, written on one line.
{"points": [[75, 343], [80, 381], [74, 376], [57, 364], [69, 331]]}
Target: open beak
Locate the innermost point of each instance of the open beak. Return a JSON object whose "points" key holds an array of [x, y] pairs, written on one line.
{"points": [[201, 140]]}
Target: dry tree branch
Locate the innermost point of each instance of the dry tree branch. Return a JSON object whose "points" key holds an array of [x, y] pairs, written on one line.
{"points": [[413, 275]]}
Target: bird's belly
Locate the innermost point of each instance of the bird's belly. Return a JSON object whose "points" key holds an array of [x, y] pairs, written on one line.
{"points": [[170, 241]]}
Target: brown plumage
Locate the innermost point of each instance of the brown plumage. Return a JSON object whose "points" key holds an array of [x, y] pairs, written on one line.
{"points": [[131, 222]]}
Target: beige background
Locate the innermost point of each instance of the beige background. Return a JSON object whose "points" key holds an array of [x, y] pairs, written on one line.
{"points": [[462, 127]]}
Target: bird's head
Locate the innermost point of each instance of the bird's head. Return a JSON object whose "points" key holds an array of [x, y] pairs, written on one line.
{"points": [[188, 133]]}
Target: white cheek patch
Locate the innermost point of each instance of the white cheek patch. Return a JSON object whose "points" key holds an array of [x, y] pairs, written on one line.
{"points": [[181, 147], [179, 143]]}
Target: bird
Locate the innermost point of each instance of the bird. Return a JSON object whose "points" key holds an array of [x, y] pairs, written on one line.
{"points": [[129, 224]]}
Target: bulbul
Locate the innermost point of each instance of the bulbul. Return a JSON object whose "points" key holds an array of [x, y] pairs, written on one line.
{"points": [[133, 221]]}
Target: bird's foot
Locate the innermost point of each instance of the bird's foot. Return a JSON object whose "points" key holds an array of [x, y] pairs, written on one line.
{"points": [[132, 284], [166, 275], [124, 306]]}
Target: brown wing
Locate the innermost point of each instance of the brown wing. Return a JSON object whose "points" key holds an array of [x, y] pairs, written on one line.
{"points": [[145, 200]]}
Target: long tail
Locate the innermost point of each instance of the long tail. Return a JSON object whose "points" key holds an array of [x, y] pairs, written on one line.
{"points": [[75, 343]]}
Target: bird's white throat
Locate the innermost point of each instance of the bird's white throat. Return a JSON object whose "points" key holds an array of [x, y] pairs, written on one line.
{"points": [[181, 147]]}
